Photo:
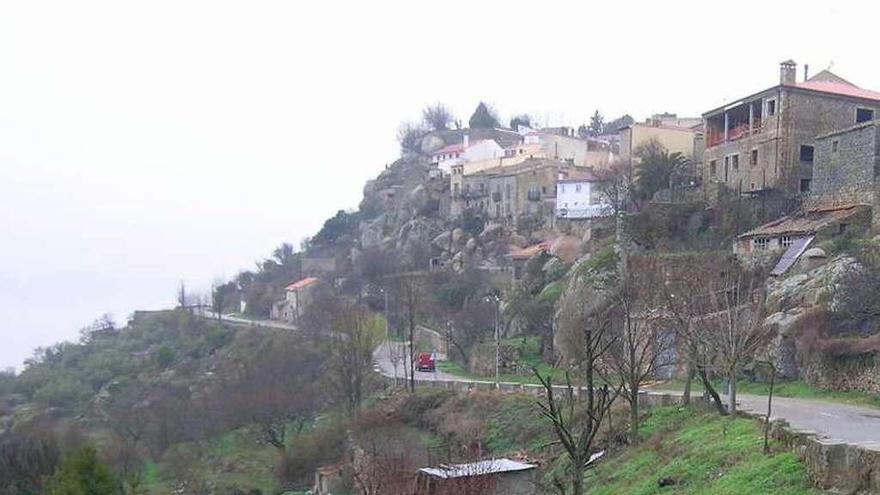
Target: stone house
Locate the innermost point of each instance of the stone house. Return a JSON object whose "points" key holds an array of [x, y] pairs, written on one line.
{"points": [[297, 297], [794, 233], [488, 477], [847, 163], [767, 140], [507, 193]]}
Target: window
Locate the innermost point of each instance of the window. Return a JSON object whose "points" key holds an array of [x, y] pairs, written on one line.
{"points": [[771, 107], [841, 229], [806, 153], [456, 187], [864, 115], [562, 188], [785, 241], [507, 192], [577, 188], [760, 243], [753, 158], [713, 168], [543, 190], [735, 159], [834, 145], [805, 185]]}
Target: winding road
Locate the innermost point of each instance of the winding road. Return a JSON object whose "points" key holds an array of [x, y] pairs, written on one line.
{"points": [[830, 422]]}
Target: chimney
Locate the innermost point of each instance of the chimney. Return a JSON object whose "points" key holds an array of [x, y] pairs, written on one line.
{"points": [[465, 142], [806, 71], [788, 72]]}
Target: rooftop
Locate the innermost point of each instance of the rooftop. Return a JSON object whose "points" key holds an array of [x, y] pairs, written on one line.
{"points": [[824, 81], [301, 284], [491, 466], [804, 223]]}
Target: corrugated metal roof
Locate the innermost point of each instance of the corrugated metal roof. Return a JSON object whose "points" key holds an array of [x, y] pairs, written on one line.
{"points": [[794, 251], [491, 466]]}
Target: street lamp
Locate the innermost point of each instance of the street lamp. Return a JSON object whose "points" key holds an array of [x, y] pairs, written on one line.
{"points": [[496, 299]]}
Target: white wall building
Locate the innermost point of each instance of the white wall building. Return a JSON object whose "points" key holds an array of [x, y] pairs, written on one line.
{"points": [[578, 198]]}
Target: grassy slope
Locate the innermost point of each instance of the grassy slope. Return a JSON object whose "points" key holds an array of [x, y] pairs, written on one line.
{"points": [[702, 453]]}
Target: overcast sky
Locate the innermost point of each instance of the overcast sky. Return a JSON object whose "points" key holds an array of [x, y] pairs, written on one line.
{"points": [[145, 143]]}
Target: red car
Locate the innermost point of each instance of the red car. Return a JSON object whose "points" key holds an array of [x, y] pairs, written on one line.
{"points": [[426, 361]]}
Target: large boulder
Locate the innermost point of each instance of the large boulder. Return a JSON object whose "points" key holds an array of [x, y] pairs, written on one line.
{"points": [[431, 143]]}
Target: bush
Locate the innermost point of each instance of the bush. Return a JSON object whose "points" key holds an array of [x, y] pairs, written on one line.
{"points": [[165, 356]]}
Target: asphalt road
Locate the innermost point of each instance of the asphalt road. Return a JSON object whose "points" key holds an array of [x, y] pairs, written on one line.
{"points": [[828, 421]]}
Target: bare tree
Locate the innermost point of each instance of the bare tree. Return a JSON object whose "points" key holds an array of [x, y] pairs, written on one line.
{"points": [[735, 319], [386, 455], [355, 335], [685, 305], [641, 345], [409, 291], [410, 135], [437, 117], [576, 428]]}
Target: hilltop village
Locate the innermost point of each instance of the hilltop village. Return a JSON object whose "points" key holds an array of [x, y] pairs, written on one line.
{"points": [[678, 304]]}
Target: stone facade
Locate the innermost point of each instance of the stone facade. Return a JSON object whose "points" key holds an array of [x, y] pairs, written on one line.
{"points": [[768, 140], [847, 163]]}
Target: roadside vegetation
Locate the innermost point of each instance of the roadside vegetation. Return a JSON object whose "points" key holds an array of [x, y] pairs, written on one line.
{"points": [[688, 451]]}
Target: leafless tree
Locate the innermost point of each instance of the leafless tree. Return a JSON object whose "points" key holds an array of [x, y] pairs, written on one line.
{"points": [[641, 341], [735, 319], [437, 117], [386, 455], [576, 427], [355, 334], [409, 295], [410, 135], [685, 305]]}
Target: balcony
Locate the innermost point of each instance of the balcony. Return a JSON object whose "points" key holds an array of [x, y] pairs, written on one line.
{"points": [[741, 122]]}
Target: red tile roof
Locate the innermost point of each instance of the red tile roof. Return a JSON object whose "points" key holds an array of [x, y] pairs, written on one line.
{"points": [[452, 148], [838, 88], [301, 284]]}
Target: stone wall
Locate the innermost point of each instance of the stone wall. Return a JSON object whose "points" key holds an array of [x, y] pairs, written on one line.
{"points": [[846, 167], [839, 467]]}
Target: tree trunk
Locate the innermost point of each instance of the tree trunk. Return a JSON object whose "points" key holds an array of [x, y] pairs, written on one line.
{"points": [[716, 399], [577, 480], [769, 409], [732, 381], [634, 416], [689, 378]]}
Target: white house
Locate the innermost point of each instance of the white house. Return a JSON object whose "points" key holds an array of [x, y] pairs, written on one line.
{"points": [[448, 156], [485, 149], [578, 197]]}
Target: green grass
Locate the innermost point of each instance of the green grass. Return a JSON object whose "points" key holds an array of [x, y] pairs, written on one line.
{"points": [[789, 388], [231, 460], [702, 453], [529, 358]]}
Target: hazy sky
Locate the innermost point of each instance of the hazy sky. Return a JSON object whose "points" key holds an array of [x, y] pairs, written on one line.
{"points": [[145, 143]]}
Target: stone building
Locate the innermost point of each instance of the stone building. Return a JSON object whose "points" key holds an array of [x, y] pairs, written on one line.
{"points": [[507, 193], [767, 140], [846, 166], [297, 296]]}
